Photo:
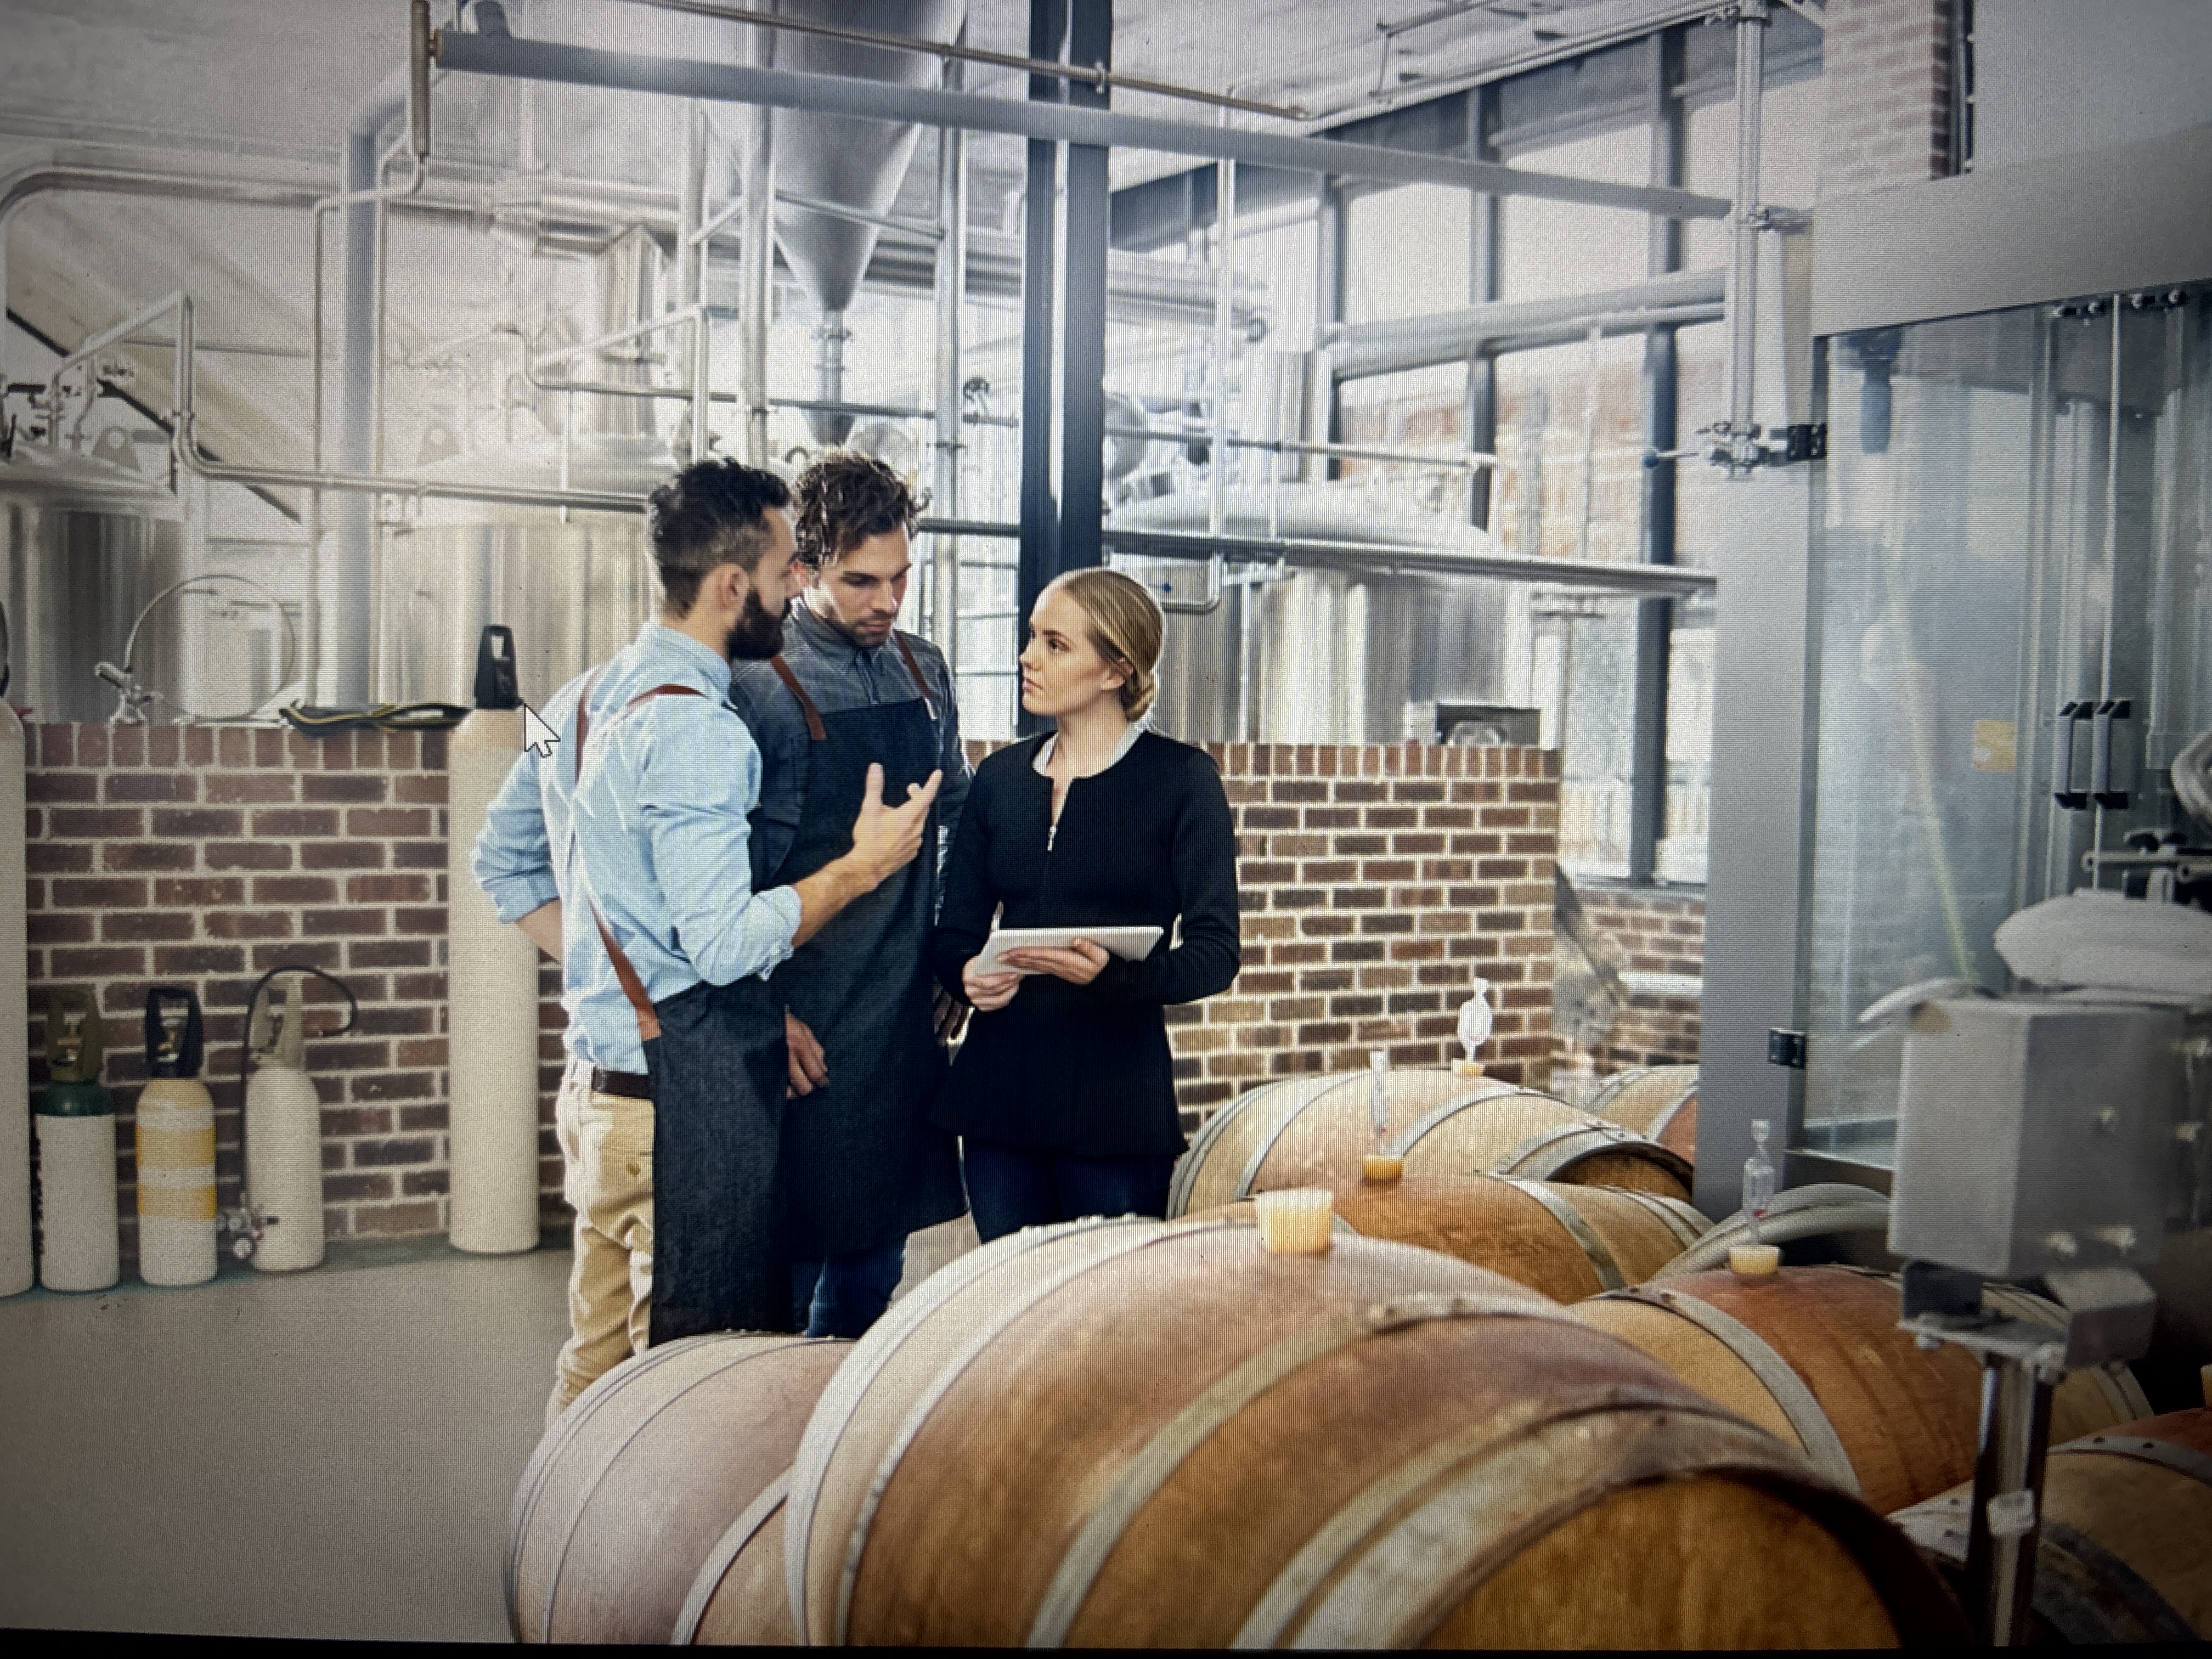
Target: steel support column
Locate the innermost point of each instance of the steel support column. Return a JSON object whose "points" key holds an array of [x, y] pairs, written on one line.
{"points": [[1088, 208], [1483, 287], [1655, 618], [1332, 249], [1040, 514]]}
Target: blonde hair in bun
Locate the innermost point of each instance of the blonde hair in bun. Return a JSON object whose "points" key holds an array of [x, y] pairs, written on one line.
{"points": [[1126, 629]]}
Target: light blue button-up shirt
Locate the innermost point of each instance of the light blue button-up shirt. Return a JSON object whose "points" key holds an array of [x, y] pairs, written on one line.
{"points": [[654, 833]]}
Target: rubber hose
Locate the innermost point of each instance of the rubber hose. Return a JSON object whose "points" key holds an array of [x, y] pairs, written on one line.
{"points": [[1711, 1250]]}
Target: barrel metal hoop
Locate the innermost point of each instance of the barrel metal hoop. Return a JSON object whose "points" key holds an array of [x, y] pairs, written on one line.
{"points": [[1403, 1143], [1611, 1089], [2182, 1460], [1143, 1476], [1685, 1221], [1461, 1519], [614, 1456], [2114, 1576], [948, 1374], [1668, 1113], [751, 1520], [849, 1384], [1251, 1170], [566, 1427], [1775, 1374], [1188, 1166], [1609, 1276]]}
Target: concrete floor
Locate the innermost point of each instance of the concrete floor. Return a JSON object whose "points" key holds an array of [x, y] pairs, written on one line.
{"points": [[325, 1455]]}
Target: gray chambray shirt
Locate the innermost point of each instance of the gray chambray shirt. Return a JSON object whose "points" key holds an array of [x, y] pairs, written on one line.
{"points": [[839, 676]]}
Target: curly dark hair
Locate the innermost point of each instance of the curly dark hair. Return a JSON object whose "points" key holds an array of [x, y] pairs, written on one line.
{"points": [[713, 513], [843, 499]]}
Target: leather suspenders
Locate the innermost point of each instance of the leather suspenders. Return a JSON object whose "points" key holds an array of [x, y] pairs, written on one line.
{"points": [[648, 1022], [815, 730]]}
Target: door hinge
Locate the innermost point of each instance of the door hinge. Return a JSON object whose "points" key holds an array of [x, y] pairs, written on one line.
{"points": [[1786, 1048], [1805, 443]]}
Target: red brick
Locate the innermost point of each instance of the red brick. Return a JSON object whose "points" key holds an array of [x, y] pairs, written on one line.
{"points": [[162, 745], [95, 823], [247, 924], [428, 789], [198, 825], [127, 746], [57, 745], [418, 855], [197, 893], [294, 889], [115, 894], [145, 927], [429, 921], [304, 953], [296, 821], [343, 924], [341, 855], [388, 889], [389, 953], [384, 1154], [45, 927], [249, 789], [45, 857], [247, 855], [388, 821], [137, 855], [395, 1085], [111, 962], [141, 786], [80, 787], [375, 1183], [352, 788], [198, 959]]}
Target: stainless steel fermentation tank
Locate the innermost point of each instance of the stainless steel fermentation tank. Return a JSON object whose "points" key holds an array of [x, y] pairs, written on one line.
{"points": [[84, 547], [1303, 653]]}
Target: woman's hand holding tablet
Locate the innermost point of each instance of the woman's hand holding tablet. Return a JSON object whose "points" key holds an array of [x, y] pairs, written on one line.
{"points": [[1056, 951]]}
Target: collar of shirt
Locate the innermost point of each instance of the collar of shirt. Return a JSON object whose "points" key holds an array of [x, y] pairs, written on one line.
{"points": [[1137, 729], [826, 639], [710, 666]]}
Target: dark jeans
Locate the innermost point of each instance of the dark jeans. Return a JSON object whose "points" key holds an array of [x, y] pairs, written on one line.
{"points": [[843, 1294], [1011, 1188]]}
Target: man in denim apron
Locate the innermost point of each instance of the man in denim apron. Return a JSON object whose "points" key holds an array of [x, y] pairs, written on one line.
{"points": [[638, 823], [862, 1167]]}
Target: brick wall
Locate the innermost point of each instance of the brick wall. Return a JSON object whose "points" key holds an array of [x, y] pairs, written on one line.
{"points": [[1658, 938], [1886, 67], [1376, 882], [206, 856]]}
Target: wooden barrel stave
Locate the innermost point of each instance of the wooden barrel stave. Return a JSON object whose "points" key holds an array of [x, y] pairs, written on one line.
{"points": [[738, 1599], [1564, 1241], [2124, 1547], [1660, 1103], [1207, 1176], [636, 1482], [1132, 1459], [1819, 1360]]}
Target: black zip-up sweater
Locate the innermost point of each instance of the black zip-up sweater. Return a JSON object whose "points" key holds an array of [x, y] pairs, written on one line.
{"points": [[1085, 1068]]}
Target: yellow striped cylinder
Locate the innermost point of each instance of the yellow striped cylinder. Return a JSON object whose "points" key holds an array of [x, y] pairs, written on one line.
{"points": [[176, 1182]]}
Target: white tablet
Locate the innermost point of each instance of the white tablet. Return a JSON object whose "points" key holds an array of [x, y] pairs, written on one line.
{"points": [[1132, 943]]}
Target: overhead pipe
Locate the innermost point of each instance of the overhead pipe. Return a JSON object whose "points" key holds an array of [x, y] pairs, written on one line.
{"points": [[757, 272], [1358, 349], [950, 295], [1595, 574], [1740, 449], [876, 100]]}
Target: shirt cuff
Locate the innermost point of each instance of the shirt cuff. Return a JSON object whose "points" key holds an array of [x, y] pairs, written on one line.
{"points": [[784, 900], [514, 897]]}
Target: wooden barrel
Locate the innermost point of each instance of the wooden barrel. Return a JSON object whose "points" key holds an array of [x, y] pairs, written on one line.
{"points": [[1313, 1130], [640, 1479], [1564, 1241], [2123, 1548], [1660, 1103], [1157, 1434], [1815, 1355]]}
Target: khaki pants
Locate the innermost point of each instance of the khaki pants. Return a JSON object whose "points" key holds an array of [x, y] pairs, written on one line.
{"points": [[606, 1144]]}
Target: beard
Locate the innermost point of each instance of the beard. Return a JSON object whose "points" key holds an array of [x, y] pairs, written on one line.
{"points": [[756, 635]]}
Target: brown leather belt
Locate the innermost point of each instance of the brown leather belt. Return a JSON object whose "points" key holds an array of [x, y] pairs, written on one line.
{"points": [[630, 1085]]}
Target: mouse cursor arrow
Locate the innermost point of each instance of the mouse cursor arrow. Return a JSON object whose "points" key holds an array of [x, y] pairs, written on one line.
{"points": [[535, 734]]}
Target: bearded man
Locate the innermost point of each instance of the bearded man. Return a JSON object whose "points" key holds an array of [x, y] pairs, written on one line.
{"points": [[624, 853], [850, 693]]}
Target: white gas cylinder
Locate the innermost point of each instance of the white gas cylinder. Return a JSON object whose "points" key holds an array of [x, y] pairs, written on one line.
{"points": [[176, 1146], [15, 1265], [283, 1141]]}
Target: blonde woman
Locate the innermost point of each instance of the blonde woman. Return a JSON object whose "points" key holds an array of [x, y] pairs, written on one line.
{"points": [[1064, 1091]]}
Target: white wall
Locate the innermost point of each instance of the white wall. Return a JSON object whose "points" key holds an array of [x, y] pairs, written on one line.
{"points": [[2053, 77]]}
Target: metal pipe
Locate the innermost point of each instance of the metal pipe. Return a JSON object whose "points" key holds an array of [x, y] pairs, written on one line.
{"points": [[691, 275], [1590, 445], [877, 100], [1752, 18], [756, 274], [951, 294], [1357, 350], [955, 54], [418, 78], [858, 215], [646, 330], [1224, 270], [1597, 575], [1469, 460], [85, 353]]}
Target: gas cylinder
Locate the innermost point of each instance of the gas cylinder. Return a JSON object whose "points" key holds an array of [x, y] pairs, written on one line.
{"points": [[74, 1122], [176, 1146], [492, 981], [284, 1141], [14, 1037]]}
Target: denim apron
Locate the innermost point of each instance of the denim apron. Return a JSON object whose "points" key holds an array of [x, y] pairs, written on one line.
{"points": [[860, 1167], [715, 1053]]}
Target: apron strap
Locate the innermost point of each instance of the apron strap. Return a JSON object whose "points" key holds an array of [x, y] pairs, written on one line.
{"points": [[816, 730], [626, 975], [928, 702]]}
